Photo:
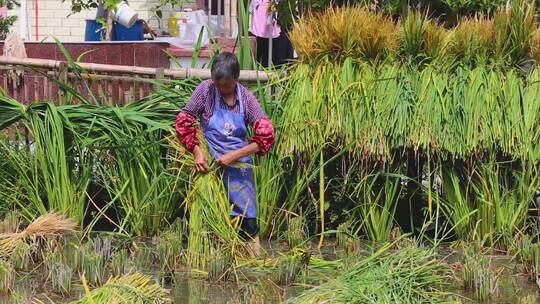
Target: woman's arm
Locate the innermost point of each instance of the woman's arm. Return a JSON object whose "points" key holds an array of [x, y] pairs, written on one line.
{"points": [[261, 142], [233, 156], [185, 126]]}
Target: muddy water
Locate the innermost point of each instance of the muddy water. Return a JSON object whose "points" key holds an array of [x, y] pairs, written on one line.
{"points": [[259, 287]]}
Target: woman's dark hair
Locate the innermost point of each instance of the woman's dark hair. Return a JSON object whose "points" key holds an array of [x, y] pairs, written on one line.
{"points": [[226, 66]]}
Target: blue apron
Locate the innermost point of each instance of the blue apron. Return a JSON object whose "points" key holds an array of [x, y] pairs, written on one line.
{"points": [[226, 132]]}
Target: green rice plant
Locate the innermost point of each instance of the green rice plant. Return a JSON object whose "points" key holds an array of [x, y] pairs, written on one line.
{"points": [[414, 31], [502, 207], [134, 288], [479, 275], [139, 178], [488, 202], [220, 263], [296, 233], [10, 223], [346, 240], [268, 175], [170, 247], [379, 195], [459, 205], [92, 260], [528, 253], [84, 135], [120, 263], [9, 184], [409, 275], [61, 277], [7, 277], [21, 257], [11, 111], [245, 55], [290, 266], [56, 159], [143, 257]]}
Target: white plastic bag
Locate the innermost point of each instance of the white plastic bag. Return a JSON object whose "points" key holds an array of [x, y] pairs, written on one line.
{"points": [[191, 27]]}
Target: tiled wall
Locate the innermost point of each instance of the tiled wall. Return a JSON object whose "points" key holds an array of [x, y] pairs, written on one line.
{"points": [[54, 21], [142, 54]]}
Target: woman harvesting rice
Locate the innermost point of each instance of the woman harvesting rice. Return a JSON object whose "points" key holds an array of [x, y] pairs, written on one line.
{"points": [[225, 108]]}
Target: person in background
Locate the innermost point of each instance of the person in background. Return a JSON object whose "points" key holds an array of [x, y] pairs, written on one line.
{"points": [[263, 26], [225, 109]]}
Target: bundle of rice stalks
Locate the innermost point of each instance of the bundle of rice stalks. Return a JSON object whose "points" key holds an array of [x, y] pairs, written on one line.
{"points": [[535, 45], [296, 232], [209, 211], [473, 40], [410, 275], [51, 224], [422, 38], [129, 289], [353, 32], [513, 26]]}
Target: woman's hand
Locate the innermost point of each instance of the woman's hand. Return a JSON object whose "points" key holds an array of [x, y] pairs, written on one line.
{"points": [[227, 159], [233, 156], [201, 163]]}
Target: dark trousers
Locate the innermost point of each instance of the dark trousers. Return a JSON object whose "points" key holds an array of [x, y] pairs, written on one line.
{"points": [[282, 50]]}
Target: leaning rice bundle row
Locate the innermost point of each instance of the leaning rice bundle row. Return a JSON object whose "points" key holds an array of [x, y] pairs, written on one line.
{"points": [[383, 109]]}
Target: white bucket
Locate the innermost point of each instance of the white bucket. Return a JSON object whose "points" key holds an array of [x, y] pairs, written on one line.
{"points": [[125, 15]]}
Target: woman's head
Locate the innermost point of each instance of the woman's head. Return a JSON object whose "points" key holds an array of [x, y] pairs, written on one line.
{"points": [[225, 72]]}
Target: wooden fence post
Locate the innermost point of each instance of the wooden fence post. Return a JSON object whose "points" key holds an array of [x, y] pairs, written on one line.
{"points": [[63, 79], [160, 74]]}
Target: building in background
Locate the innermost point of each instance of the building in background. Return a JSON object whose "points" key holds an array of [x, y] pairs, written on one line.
{"points": [[54, 18]]}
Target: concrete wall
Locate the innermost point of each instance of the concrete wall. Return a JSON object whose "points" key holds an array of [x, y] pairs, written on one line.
{"points": [[55, 20]]}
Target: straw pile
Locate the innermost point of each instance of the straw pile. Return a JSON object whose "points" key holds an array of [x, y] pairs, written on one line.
{"points": [[51, 224]]}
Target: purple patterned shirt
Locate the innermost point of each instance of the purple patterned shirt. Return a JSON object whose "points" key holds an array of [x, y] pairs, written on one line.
{"points": [[201, 104]]}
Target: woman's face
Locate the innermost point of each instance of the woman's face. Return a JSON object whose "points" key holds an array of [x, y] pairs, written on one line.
{"points": [[225, 86]]}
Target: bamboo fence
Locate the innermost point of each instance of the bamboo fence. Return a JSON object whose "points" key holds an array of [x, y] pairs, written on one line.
{"points": [[31, 79]]}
